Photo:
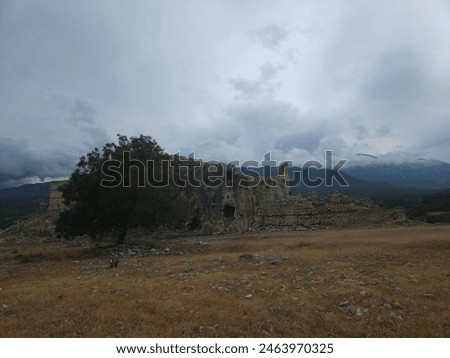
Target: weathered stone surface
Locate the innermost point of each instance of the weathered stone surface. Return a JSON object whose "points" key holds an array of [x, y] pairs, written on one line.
{"points": [[40, 225], [56, 201], [240, 207], [334, 210]]}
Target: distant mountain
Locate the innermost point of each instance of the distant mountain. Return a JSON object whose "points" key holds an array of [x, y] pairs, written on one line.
{"points": [[40, 190], [429, 174], [381, 192], [387, 184], [20, 202]]}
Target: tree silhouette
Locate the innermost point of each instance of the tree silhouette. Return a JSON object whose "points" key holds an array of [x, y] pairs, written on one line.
{"points": [[120, 187]]}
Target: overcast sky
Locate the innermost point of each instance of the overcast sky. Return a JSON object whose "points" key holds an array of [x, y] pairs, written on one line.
{"points": [[228, 80]]}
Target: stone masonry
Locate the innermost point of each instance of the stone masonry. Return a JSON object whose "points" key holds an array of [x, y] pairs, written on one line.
{"points": [[239, 208], [56, 201]]}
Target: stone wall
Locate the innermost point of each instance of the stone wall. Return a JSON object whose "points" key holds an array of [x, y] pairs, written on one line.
{"points": [[56, 201], [234, 208], [239, 208], [334, 210]]}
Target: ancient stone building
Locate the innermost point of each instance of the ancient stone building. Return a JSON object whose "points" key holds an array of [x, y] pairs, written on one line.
{"points": [[334, 210], [235, 208], [266, 203], [269, 204]]}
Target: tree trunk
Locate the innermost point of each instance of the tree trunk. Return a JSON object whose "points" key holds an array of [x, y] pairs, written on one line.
{"points": [[121, 237]]}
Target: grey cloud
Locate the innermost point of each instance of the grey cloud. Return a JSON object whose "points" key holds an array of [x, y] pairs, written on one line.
{"points": [[360, 129], [252, 128], [264, 85], [399, 79], [82, 113], [384, 66], [83, 118], [383, 131], [308, 140], [15, 157], [229, 78], [249, 88], [268, 114], [272, 35], [18, 161], [269, 71], [62, 130], [274, 125], [77, 116]]}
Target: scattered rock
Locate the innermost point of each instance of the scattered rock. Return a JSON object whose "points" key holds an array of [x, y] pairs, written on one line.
{"points": [[114, 262], [246, 256], [359, 312], [344, 303], [266, 334], [396, 316], [428, 295]]}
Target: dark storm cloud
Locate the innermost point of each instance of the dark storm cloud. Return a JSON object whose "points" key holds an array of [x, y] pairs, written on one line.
{"points": [[46, 73], [59, 130], [227, 79], [19, 162]]}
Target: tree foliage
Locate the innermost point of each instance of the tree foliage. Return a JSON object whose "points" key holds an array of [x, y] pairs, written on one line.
{"points": [[96, 209]]}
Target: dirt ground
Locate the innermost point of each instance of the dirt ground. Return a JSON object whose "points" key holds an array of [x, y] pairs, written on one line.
{"points": [[373, 282]]}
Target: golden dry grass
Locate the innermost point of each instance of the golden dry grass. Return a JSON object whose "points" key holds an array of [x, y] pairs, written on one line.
{"points": [[385, 282]]}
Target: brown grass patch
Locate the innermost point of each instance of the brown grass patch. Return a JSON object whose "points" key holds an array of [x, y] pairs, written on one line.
{"points": [[391, 282]]}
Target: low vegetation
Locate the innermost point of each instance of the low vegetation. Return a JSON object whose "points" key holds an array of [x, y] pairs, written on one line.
{"points": [[380, 282], [100, 203]]}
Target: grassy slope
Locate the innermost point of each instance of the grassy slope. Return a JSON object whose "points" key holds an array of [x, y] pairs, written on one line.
{"points": [[387, 282]]}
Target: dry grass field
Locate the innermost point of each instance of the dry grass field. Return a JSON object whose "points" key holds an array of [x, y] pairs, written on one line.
{"points": [[379, 282]]}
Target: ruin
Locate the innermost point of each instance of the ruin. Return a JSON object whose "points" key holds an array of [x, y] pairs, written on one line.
{"points": [[238, 208], [56, 201], [270, 205]]}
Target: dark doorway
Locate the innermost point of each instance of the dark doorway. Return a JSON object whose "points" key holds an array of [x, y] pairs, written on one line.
{"points": [[195, 223], [228, 211]]}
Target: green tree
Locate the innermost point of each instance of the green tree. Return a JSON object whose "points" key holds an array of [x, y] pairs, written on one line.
{"points": [[109, 191]]}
